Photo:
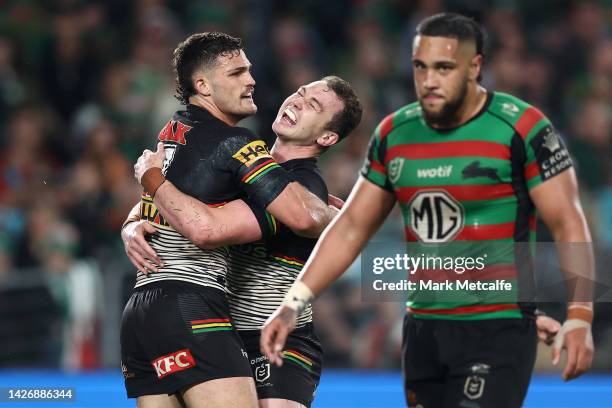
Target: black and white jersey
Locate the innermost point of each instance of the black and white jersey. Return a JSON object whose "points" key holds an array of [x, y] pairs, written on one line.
{"points": [[215, 163], [262, 272]]}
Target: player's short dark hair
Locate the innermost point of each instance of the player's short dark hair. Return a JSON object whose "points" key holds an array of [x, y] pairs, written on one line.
{"points": [[345, 121], [199, 51], [453, 25]]}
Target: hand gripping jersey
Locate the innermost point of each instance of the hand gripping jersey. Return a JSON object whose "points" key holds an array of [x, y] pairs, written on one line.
{"points": [[215, 163], [262, 272], [469, 183]]}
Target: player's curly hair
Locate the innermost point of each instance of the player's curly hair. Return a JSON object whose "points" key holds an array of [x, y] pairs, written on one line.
{"points": [[198, 51], [345, 121]]}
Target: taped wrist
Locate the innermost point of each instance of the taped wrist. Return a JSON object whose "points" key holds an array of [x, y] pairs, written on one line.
{"points": [[151, 180], [298, 297], [129, 220], [568, 326], [578, 312]]}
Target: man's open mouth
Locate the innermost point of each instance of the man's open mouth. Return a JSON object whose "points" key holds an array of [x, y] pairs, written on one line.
{"points": [[289, 117]]}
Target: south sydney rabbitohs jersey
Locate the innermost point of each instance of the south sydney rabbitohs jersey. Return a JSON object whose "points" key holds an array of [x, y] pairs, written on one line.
{"points": [[262, 272], [469, 184], [215, 163]]}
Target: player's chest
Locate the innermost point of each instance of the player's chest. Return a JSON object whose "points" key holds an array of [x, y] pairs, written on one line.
{"points": [[450, 163]]}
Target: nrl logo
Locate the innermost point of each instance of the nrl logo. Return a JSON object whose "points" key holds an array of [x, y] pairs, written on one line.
{"points": [[395, 169], [262, 373], [551, 142], [509, 108]]}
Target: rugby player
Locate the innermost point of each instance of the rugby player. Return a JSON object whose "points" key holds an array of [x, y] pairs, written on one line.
{"points": [[309, 121], [177, 336], [504, 160]]}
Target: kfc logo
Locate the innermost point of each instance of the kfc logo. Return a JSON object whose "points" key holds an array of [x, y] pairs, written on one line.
{"points": [[172, 363]]}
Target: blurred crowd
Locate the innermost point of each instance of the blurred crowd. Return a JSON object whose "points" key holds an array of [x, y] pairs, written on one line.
{"points": [[86, 85]]}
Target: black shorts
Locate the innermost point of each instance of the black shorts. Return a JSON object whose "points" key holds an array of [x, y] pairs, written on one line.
{"points": [[174, 335], [470, 364], [299, 375]]}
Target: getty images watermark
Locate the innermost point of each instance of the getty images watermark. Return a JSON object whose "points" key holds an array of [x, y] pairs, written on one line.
{"points": [[478, 272], [424, 263]]}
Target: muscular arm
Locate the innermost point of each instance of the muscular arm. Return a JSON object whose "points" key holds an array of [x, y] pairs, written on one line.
{"points": [[302, 211], [297, 208], [235, 223], [363, 213], [207, 227], [557, 201], [559, 206]]}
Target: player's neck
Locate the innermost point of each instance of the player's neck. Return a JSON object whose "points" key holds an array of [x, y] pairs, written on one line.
{"points": [[473, 103], [285, 151], [204, 103]]}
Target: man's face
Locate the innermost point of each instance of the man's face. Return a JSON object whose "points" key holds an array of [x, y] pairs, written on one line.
{"points": [[441, 75], [231, 85], [304, 114]]}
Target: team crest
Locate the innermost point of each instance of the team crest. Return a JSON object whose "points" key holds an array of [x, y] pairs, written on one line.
{"points": [[509, 108], [395, 169]]}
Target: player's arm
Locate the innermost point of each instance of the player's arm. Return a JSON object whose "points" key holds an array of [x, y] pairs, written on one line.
{"points": [[137, 249], [270, 186], [234, 223], [207, 227], [553, 189], [558, 204], [302, 211], [364, 212]]}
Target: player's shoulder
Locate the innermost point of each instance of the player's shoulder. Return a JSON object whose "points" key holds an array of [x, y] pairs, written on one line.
{"points": [[406, 115], [306, 172], [514, 111], [235, 138]]}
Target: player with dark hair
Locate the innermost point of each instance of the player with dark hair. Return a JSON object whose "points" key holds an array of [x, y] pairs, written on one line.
{"points": [[502, 160], [309, 121], [177, 336]]}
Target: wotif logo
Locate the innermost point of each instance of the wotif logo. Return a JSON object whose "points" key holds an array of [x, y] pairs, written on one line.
{"points": [[440, 171]]}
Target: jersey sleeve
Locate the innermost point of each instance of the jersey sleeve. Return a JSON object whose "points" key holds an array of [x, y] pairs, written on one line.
{"points": [[312, 181], [253, 168], [373, 168], [267, 223], [545, 152]]}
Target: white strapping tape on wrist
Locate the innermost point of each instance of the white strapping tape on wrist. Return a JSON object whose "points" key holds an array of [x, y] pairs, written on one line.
{"points": [[298, 297], [568, 326]]}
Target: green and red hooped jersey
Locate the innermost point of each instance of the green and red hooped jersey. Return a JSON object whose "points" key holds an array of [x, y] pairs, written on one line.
{"points": [[470, 184]]}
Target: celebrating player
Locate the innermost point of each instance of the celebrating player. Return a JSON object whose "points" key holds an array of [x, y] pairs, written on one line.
{"points": [[317, 116]]}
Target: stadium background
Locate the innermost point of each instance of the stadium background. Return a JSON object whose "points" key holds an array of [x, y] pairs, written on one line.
{"points": [[85, 86]]}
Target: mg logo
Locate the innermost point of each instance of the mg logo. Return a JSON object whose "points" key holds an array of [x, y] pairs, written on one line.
{"points": [[435, 216]]}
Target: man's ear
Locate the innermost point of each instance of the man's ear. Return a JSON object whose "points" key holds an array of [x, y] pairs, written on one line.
{"points": [[475, 67], [328, 138], [201, 84]]}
